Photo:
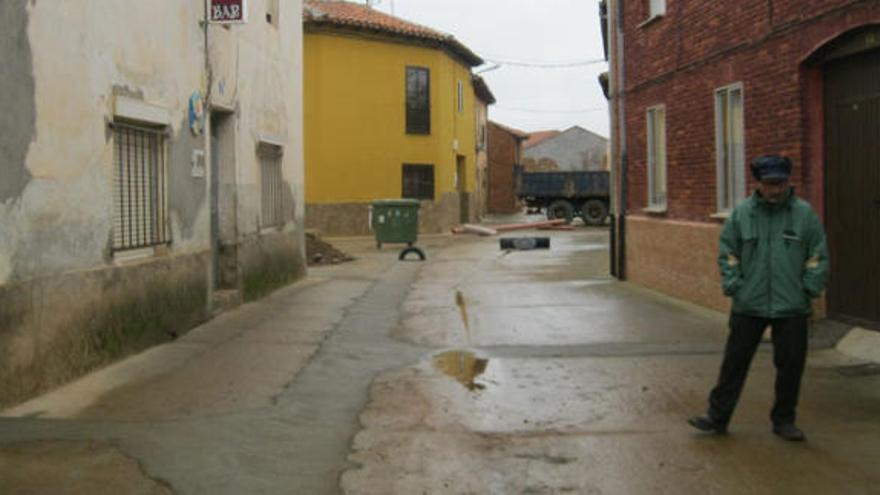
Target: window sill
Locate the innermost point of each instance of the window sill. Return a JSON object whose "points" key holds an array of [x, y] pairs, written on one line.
{"points": [[650, 20], [134, 255], [720, 215], [655, 210]]}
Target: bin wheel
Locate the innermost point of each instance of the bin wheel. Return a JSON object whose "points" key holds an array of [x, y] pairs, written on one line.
{"points": [[411, 249]]}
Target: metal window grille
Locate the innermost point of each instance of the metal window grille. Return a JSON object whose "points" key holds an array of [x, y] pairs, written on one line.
{"points": [[272, 189], [139, 211], [418, 181]]}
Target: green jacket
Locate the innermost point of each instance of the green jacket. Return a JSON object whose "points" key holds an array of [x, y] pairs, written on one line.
{"points": [[773, 257]]}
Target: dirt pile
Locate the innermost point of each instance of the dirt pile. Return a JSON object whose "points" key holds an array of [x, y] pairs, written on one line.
{"points": [[319, 252]]}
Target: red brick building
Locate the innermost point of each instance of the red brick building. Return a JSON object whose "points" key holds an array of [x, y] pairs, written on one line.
{"points": [[505, 151], [699, 88]]}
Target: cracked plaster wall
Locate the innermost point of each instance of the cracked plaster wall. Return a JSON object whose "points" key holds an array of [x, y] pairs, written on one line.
{"points": [[72, 60]]}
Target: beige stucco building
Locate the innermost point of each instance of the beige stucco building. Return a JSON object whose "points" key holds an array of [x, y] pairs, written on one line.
{"points": [[141, 182]]}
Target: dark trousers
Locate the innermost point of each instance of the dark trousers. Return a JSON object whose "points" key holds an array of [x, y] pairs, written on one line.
{"points": [[789, 357]]}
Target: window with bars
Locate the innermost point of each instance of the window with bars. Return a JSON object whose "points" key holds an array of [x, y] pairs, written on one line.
{"points": [[418, 100], [418, 181], [139, 203], [729, 147], [271, 187]]}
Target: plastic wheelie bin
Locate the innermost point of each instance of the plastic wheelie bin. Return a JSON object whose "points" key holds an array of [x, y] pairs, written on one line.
{"points": [[395, 221]]}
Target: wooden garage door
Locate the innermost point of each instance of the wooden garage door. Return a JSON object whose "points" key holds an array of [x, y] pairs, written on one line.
{"points": [[852, 186]]}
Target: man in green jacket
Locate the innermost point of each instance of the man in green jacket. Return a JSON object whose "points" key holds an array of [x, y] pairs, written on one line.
{"points": [[773, 261]]}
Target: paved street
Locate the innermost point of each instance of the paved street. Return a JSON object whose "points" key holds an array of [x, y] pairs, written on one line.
{"points": [[478, 371]]}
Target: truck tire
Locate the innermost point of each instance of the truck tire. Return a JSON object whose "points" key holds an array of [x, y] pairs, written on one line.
{"points": [[560, 209], [594, 212]]}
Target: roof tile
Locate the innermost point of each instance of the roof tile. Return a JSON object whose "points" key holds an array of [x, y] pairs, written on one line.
{"points": [[347, 14]]}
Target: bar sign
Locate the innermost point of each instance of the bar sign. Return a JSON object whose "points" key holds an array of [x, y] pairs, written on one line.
{"points": [[227, 11]]}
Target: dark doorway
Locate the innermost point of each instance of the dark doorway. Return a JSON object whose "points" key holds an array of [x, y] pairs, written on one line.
{"points": [[852, 186], [223, 200], [464, 196]]}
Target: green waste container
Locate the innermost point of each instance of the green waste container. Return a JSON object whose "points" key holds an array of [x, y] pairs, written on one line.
{"points": [[395, 221]]}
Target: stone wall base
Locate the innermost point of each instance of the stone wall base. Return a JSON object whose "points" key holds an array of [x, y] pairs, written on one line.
{"points": [[55, 329], [676, 258], [269, 261], [680, 259], [352, 219]]}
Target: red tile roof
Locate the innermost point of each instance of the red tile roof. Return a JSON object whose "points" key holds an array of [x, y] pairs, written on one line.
{"points": [[538, 136], [359, 17], [510, 130]]}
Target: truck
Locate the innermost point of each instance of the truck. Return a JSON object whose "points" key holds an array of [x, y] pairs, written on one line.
{"points": [[565, 194]]}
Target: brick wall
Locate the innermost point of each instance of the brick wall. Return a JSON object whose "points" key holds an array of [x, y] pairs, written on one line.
{"points": [[679, 60], [502, 157]]}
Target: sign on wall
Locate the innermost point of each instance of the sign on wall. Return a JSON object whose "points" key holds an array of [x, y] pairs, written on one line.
{"points": [[227, 11]]}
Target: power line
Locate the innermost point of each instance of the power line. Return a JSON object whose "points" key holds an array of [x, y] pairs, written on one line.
{"points": [[546, 65], [539, 110]]}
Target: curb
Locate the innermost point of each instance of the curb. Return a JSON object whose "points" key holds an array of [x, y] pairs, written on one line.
{"points": [[860, 344]]}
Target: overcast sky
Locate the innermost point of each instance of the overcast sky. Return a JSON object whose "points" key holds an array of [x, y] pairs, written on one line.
{"points": [[531, 31]]}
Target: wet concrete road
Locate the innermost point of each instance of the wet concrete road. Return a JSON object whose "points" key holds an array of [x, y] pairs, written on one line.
{"points": [[478, 371]]}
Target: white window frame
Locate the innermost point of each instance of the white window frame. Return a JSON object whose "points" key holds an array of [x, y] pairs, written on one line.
{"points": [[656, 8], [730, 177], [656, 158]]}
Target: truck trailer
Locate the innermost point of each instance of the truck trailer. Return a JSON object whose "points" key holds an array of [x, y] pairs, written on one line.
{"points": [[566, 194]]}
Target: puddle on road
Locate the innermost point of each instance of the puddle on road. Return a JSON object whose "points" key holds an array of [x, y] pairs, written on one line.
{"points": [[463, 366]]}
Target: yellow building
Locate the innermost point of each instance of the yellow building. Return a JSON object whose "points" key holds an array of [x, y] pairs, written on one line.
{"points": [[389, 113]]}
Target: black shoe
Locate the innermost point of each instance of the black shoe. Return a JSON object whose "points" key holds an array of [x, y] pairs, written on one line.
{"points": [[789, 432], [705, 423]]}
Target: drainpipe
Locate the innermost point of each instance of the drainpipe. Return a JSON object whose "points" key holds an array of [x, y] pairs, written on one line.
{"points": [[619, 95], [209, 173]]}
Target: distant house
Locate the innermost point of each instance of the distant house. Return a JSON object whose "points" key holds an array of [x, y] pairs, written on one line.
{"points": [[505, 151], [538, 136], [389, 113], [573, 149], [138, 189], [699, 89], [484, 98]]}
